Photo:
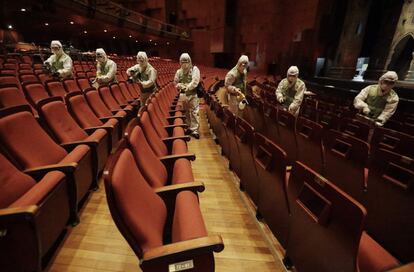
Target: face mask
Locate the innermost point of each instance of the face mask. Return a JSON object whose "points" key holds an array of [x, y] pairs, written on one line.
{"points": [[55, 50], [185, 66]]}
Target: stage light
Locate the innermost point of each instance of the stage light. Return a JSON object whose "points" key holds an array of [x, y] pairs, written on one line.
{"points": [[10, 27], [46, 24], [72, 22], [113, 37], [23, 9], [105, 30], [150, 40], [130, 36], [85, 31]]}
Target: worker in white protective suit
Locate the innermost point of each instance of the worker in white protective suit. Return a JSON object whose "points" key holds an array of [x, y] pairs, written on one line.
{"points": [[145, 75], [59, 64], [105, 69], [236, 85], [290, 91], [379, 101], [186, 80]]}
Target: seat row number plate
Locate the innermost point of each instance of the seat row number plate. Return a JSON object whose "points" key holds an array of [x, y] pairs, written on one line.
{"points": [[181, 266]]}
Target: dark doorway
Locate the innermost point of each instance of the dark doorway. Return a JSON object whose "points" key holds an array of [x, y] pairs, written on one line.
{"points": [[401, 59]]}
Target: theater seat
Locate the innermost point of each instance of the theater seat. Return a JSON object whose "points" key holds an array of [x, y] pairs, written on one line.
{"points": [[66, 131], [32, 216], [36, 153], [159, 171], [86, 118], [167, 228]]}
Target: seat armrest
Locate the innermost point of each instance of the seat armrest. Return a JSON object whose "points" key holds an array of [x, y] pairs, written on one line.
{"points": [[170, 139], [67, 168], [174, 189], [17, 211], [174, 111], [167, 254], [91, 130], [72, 145], [403, 268], [170, 160]]}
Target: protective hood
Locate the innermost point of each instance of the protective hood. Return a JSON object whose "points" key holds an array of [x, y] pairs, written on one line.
{"points": [[101, 52]]}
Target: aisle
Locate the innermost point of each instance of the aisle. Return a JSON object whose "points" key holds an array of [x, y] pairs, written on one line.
{"points": [[227, 212], [96, 244]]}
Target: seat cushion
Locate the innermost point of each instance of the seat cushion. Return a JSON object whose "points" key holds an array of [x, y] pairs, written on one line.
{"points": [[13, 183], [37, 194], [188, 222], [372, 257], [182, 172], [179, 147]]}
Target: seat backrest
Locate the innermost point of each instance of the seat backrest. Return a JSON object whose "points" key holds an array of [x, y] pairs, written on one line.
{"points": [[44, 77], [83, 83], [96, 103], [390, 202], [108, 98], [34, 91], [139, 213], [346, 158], [151, 168], [116, 92], [287, 137], [124, 90], [9, 79], [32, 149], [71, 85], [151, 134], [13, 183], [11, 96], [322, 215], [29, 77], [81, 111], [309, 140], [355, 128], [57, 118], [55, 88], [156, 121], [392, 140], [271, 163]]}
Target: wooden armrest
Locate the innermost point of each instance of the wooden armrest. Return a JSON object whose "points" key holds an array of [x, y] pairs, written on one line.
{"points": [[91, 130], [18, 211], [115, 111], [72, 145], [173, 126], [174, 111], [195, 187], [175, 117], [169, 139], [67, 168], [168, 253], [189, 156]]}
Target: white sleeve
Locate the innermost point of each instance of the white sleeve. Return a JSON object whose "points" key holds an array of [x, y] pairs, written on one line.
{"points": [[133, 68], [177, 78], [389, 109], [228, 82], [151, 79], [111, 73], [297, 101], [278, 92], [67, 68], [359, 101], [49, 60], [195, 79]]}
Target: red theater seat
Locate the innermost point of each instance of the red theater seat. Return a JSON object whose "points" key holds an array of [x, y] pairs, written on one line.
{"points": [[32, 216], [168, 227]]}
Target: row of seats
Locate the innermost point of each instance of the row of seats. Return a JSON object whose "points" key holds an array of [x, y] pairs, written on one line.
{"points": [[152, 162], [265, 173]]}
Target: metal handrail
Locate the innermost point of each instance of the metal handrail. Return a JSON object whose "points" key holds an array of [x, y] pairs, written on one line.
{"points": [[136, 18]]}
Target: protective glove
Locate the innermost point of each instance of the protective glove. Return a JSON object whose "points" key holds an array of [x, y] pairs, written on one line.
{"points": [[292, 108], [366, 110]]}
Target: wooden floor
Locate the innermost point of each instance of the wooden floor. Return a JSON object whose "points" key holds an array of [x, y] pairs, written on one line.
{"points": [[96, 244]]}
